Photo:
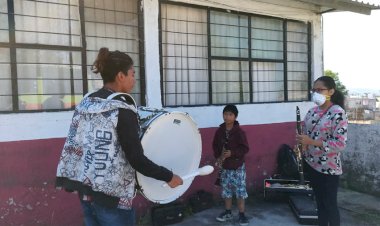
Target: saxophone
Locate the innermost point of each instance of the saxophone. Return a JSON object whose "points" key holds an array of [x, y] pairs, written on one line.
{"points": [[298, 148]]}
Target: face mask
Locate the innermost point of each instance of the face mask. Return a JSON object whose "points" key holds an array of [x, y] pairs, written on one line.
{"points": [[318, 99]]}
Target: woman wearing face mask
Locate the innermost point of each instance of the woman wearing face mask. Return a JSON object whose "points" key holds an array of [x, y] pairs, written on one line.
{"points": [[325, 139]]}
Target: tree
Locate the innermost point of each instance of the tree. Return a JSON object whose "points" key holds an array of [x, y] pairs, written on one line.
{"points": [[339, 84]]}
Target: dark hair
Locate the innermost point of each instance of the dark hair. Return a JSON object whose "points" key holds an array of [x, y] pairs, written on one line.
{"points": [[110, 63], [337, 97], [231, 108]]}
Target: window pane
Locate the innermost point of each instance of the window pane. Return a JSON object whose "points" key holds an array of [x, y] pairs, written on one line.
{"points": [[48, 75], [230, 82], [112, 24], [4, 37], [6, 103], [5, 63], [53, 23], [297, 59], [268, 82], [3, 6], [184, 55], [297, 90], [229, 34], [267, 38], [5, 80]]}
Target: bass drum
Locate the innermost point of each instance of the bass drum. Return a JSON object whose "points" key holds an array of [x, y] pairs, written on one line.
{"points": [[172, 140]]}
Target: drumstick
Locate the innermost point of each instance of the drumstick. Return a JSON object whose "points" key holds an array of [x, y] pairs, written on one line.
{"points": [[205, 170]]}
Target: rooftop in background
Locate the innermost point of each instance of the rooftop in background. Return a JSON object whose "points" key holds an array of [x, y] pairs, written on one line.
{"points": [[361, 92]]}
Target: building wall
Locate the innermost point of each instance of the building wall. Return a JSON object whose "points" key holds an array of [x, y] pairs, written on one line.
{"points": [[30, 143], [28, 173], [361, 170], [362, 102]]}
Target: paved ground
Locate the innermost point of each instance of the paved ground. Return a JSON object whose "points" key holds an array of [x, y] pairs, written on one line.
{"points": [[356, 209]]}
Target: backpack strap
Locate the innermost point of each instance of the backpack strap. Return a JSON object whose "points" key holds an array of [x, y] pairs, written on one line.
{"points": [[88, 94], [124, 97]]}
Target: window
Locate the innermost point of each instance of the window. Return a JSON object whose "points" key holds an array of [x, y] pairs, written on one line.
{"points": [[184, 55], [217, 57], [47, 47]]}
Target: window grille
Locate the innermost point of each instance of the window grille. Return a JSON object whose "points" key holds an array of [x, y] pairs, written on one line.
{"points": [[232, 58]]}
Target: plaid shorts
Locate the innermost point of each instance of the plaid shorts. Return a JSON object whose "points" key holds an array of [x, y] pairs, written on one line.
{"points": [[233, 180]]}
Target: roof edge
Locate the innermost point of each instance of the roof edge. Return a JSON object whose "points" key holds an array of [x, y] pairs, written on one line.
{"points": [[344, 5]]}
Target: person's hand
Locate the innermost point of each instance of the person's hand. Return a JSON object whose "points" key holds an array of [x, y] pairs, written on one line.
{"points": [[304, 139], [176, 181], [219, 161], [226, 154]]}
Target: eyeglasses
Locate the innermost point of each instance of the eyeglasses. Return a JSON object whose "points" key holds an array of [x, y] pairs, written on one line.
{"points": [[318, 90]]}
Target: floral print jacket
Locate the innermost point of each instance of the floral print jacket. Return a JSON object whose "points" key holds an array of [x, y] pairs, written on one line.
{"points": [[331, 128]]}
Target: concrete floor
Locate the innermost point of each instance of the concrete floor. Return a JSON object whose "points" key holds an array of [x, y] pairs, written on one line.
{"points": [[356, 209]]}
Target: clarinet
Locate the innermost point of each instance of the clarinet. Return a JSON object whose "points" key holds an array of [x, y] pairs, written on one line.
{"points": [[298, 148], [219, 162]]}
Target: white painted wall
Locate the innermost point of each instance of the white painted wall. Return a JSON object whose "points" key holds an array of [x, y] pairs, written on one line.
{"points": [[152, 55], [249, 114], [30, 126], [33, 126]]}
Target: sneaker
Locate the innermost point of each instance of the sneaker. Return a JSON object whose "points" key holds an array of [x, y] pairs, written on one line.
{"points": [[225, 216], [243, 220]]}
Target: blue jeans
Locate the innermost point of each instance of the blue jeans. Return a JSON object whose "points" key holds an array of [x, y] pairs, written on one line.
{"points": [[96, 215]]}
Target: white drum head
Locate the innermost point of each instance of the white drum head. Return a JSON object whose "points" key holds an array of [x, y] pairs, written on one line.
{"points": [[171, 140]]}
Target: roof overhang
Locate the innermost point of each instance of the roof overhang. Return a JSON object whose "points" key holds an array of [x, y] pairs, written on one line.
{"points": [[343, 5]]}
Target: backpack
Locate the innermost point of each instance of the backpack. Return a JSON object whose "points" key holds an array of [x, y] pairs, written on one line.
{"points": [[200, 201], [287, 165]]}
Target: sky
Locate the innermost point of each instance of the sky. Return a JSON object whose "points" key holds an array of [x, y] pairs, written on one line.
{"points": [[352, 48]]}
